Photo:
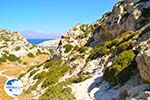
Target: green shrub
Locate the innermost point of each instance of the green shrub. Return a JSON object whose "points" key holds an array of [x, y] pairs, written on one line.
{"points": [[34, 87], [74, 29], [123, 38], [82, 27], [38, 52], [3, 59], [78, 79], [74, 58], [98, 52], [30, 55], [50, 79], [113, 48], [68, 47], [51, 51], [124, 46], [58, 92], [56, 71], [31, 68], [116, 41], [121, 69], [24, 63], [12, 57], [32, 73], [41, 75], [51, 63], [76, 48], [20, 61], [21, 75], [108, 44], [17, 48], [3, 46], [6, 39], [82, 49]]}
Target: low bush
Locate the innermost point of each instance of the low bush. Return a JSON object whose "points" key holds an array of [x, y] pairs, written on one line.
{"points": [[121, 69], [98, 52], [51, 63], [58, 92], [78, 79], [68, 47], [51, 51], [82, 49], [124, 46], [21, 75], [108, 44], [30, 55], [12, 58], [17, 48], [50, 80], [116, 41], [74, 58], [41, 75], [32, 73], [56, 71], [37, 53], [3, 59]]}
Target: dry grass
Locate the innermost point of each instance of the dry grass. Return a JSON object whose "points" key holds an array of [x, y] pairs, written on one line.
{"points": [[11, 69], [39, 59]]}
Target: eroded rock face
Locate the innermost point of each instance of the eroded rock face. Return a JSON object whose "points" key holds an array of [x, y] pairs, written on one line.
{"points": [[143, 58], [127, 15], [143, 61], [76, 36], [127, 23]]}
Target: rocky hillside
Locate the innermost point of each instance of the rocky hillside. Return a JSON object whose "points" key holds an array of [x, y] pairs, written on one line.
{"points": [[105, 60], [17, 56], [14, 46]]}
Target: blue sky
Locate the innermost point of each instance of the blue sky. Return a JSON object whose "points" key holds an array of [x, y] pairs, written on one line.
{"points": [[52, 17]]}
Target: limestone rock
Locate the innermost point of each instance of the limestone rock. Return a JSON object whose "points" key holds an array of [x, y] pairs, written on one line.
{"points": [[13, 43], [139, 92], [127, 15], [143, 61]]}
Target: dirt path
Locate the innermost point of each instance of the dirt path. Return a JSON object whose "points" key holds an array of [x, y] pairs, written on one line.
{"points": [[3, 75], [80, 90]]}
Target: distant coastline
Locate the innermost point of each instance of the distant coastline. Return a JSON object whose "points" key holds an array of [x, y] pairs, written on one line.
{"points": [[37, 41]]}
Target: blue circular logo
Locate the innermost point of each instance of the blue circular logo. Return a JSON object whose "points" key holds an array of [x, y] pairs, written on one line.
{"points": [[13, 87]]}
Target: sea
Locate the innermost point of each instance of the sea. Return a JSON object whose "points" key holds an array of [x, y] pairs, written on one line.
{"points": [[37, 41]]}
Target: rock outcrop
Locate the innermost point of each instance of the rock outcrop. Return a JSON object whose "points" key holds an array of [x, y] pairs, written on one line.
{"points": [[109, 59], [143, 58], [13, 46], [127, 15]]}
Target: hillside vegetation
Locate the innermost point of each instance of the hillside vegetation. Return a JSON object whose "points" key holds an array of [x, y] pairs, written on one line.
{"points": [[108, 59]]}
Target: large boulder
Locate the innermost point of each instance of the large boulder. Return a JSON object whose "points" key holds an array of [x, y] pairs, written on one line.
{"points": [[143, 58], [143, 62]]}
